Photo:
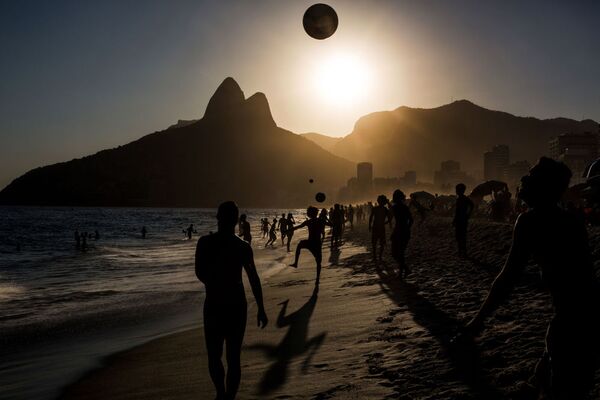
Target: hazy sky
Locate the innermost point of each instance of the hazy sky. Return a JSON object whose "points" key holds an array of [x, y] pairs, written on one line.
{"points": [[80, 76]]}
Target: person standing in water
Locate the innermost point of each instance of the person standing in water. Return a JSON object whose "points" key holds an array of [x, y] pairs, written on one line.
{"points": [[244, 229], [403, 221], [379, 217], [315, 226], [289, 231], [557, 241], [189, 231], [220, 258], [144, 231], [283, 226], [77, 238], [464, 208], [272, 234]]}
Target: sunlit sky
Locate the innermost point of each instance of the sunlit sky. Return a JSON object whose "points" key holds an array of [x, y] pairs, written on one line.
{"points": [[80, 76]]}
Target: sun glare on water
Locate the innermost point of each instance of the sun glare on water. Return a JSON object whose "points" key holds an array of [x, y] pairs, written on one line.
{"points": [[342, 80]]}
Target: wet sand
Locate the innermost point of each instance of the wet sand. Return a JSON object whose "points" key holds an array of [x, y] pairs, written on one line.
{"points": [[365, 333]]}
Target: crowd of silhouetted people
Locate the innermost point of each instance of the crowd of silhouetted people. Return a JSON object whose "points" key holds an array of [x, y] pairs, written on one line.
{"points": [[550, 232], [554, 236]]}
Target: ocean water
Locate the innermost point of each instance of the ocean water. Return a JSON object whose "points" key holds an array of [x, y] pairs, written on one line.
{"points": [[63, 309]]}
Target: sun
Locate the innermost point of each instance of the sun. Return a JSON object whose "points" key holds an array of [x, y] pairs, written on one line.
{"points": [[342, 79]]}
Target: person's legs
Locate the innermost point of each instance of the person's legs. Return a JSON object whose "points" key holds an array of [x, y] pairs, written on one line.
{"points": [[301, 245], [403, 246], [214, 337], [233, 343], [374, 244], [315, 249], [381, 245], [461, 238]]}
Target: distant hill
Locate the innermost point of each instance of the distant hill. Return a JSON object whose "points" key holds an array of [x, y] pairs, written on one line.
{"points": [[235, 151], [326, 142], [419, 139]]}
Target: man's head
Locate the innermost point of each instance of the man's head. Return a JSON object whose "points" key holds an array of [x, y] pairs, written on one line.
{"points": [[546, 183], [312, 212], [461, 188], [382, 200], [398, 196], [227, 214], [243, 217]]}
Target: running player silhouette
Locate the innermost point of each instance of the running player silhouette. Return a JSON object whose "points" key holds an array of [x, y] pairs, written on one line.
{"points": [[315, 226], [220, 258]]}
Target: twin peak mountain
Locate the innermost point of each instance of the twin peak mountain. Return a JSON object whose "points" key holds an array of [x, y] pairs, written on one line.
{"points": [[237, 152]]}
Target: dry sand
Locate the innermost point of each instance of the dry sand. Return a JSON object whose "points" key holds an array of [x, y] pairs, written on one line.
{"points": [[365, 334]]}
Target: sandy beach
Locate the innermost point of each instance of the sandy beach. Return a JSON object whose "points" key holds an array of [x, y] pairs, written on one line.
{"points": [[364, 333]]}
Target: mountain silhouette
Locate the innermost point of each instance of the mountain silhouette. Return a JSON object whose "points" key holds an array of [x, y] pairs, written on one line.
{"points": [[419, 139], [326, 142], [236, 151]]}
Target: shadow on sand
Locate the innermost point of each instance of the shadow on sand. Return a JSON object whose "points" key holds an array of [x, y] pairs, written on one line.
{"points": [[463, 355], [295, 343]]}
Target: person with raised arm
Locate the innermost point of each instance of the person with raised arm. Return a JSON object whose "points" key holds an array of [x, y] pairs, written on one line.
{"points": [[557, 241]]}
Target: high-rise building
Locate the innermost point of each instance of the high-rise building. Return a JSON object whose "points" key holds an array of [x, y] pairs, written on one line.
{"points": [[364, 174], [410, 178], [576, 150], [449, 166], [495, 163], [449, 175]]}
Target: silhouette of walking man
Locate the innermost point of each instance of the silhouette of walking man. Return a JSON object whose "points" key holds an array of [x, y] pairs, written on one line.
{"points": [[377, 220], [464, 208], [220, 258], [557, 241], [403, 221]]}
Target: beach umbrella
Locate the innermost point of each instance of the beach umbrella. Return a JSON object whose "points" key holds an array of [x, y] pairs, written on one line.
{"points": [[422, 196], [488, 187]]}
